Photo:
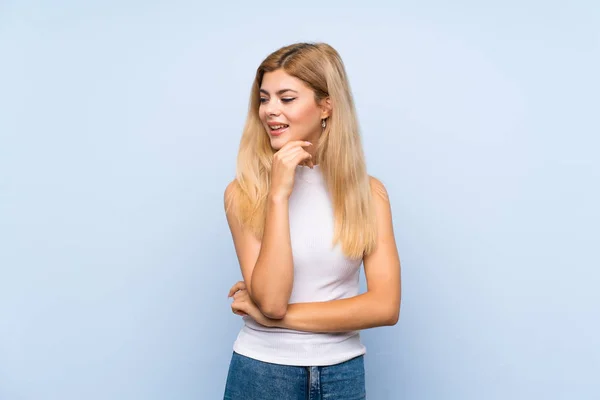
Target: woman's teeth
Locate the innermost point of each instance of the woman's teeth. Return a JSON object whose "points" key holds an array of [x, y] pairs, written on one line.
{"points": [[276, 127]]}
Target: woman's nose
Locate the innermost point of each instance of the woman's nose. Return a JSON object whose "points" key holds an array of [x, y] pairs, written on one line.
{"points": [[272, 108]]}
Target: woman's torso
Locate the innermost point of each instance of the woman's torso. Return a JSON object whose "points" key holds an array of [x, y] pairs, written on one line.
{"points": [[321, 273]]}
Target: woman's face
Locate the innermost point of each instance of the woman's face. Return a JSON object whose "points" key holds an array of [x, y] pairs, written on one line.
{"points": [[288, 109]]}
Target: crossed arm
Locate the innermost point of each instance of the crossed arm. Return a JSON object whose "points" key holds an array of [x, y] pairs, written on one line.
{"points": [[378, 306]]}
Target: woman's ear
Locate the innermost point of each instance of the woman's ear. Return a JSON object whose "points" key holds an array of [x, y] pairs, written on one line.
{"points": [[325, 108]]}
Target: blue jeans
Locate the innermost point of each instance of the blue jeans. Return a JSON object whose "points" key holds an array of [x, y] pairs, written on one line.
{"points": [[250, 379]]}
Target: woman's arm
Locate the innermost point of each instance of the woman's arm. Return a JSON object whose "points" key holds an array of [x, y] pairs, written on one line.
{"points": [[379, 306], [267, 264], [361, 312], [267, 267]]}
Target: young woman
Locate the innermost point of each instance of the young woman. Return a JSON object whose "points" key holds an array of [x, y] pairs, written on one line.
{"points": [[304, 215]]}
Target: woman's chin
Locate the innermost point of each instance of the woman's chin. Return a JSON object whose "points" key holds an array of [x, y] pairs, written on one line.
{"points": [[277, 142]]}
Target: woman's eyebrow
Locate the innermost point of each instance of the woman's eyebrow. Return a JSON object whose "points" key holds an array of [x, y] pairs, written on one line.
{"points": [[279, 92]]}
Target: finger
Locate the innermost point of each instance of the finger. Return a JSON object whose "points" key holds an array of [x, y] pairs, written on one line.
{"points": [[232, 290], [239, 312], [308, 163], [304, 156], [293, 145], [296, 143], [292, 157], [241, 285], [289, 157], [235, 308]]}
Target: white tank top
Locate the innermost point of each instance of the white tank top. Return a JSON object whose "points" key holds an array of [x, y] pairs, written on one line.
{"points": [[321, 273]]}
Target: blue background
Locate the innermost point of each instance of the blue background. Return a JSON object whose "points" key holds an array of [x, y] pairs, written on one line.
{"points": [[119, 128]]}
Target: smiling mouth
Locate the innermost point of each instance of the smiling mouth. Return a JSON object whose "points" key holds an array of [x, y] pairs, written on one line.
{"points": [[277, 130]]}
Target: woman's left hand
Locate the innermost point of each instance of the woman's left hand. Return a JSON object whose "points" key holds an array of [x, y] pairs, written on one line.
{"points": [[243, 305]]}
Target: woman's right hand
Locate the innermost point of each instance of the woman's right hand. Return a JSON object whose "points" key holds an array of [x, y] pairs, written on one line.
{"points": [[284, 166]]}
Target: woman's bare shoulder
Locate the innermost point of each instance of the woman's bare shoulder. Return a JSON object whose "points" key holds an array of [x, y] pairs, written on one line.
{"points": [[230, 194], [378, 189]]}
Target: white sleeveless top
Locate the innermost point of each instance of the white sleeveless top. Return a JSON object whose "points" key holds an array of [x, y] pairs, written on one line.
{"points": [[321, 273]]}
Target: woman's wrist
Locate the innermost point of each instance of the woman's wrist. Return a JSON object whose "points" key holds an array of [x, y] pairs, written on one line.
{"points": [[277, 198], [276, 323]]}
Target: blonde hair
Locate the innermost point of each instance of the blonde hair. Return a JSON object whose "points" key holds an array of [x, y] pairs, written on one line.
{"points": [[339, 150]]}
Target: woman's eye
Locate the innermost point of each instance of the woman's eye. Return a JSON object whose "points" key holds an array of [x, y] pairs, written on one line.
{"points": [[263, 100], [288, 99]]}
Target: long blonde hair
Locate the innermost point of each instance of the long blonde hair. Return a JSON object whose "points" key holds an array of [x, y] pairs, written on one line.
{"points": [[339, 150]]}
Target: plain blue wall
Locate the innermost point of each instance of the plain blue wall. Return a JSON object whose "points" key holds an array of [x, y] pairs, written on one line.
{"points": [[119, 127]]}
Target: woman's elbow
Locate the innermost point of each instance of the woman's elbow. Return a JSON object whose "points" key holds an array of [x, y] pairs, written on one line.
{"points": [[393, 319], [388, 311], [392, 316], [274, 311]]}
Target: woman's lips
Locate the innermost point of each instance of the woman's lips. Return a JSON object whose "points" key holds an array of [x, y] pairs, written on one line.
{"points": [[278, 132]]}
